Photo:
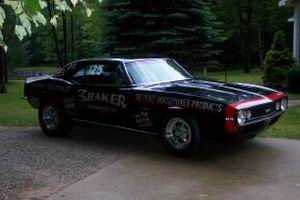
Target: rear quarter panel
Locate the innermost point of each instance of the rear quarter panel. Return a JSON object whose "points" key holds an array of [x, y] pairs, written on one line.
{"points": [[50, 90]]}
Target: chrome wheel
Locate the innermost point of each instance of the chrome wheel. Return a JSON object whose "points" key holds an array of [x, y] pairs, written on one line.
{"points": [[50, 117], [178, 133]]}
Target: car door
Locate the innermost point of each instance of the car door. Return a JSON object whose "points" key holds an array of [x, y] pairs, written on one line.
{"points": [[101, 92]]}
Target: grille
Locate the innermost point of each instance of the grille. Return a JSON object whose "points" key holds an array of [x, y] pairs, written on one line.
{"points": [[263, 110]]}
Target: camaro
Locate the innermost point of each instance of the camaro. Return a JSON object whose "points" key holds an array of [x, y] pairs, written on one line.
{"points": [[153, 96]]}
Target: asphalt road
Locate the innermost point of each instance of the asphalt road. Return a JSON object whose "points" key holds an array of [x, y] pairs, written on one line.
{"points": [[96, 164]]}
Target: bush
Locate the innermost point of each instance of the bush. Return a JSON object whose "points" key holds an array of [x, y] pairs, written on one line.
{"points": [[294, 79], [279, 60]]}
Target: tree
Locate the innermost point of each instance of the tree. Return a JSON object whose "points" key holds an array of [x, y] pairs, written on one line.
{"points": [[29, 13], [90, 32], [278, 62], [183, 29], [250, 26], [53, 24]]}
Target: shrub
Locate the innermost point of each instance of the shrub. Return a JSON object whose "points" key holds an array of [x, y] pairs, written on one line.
{"points": [[278, 61], [294, 79]]}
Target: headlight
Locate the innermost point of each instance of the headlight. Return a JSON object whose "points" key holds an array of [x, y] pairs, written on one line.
{"points": [[278, 105], [284, 104], [243, 116]]}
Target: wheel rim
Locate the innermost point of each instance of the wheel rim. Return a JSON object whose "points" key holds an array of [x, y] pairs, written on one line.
{"points": [[50, 117], [178, 133]]}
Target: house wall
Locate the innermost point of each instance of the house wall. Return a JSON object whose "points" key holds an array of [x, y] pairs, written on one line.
{"points": [[296, 40]]}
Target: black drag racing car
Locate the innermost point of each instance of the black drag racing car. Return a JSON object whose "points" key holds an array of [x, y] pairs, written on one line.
{"points": [[153, 96]]}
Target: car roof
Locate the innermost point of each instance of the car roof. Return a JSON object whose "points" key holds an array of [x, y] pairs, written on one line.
{"points": [[124, 60]]}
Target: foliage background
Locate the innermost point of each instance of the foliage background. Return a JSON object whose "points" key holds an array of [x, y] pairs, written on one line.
{"points": [[240, 32], [185, 30]]}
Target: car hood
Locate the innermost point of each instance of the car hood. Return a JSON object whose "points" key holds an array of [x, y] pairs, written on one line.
{"points": [[218, 91]]}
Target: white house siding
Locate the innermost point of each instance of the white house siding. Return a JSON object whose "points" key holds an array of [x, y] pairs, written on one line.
{"points": [[296, 21], [296, 39]]}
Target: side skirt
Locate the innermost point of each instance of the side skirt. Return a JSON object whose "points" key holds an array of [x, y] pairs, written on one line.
{"points": [[115, 127]]}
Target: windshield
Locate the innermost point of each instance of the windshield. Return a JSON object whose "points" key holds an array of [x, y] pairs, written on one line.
{"points": [[156, 70]]}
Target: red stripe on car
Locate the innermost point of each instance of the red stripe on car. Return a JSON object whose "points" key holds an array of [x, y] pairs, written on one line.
{"points": [[277, 96], [231, 110]]}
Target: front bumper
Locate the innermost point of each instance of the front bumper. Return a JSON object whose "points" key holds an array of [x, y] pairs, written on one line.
{"points": [[266, 119], [255, 127]]}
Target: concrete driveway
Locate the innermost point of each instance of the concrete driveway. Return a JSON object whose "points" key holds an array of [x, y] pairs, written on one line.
{"points": [[114, 166]]}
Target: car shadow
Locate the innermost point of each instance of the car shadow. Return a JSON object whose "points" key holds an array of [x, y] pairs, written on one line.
{"points": [[252, 159], [147, 145], [230, 158]]}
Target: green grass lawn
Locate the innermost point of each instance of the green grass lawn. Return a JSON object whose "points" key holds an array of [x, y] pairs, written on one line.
{"points": [[287, 127], [14, 110], [44, 69], [254, 77], [294, 96]]}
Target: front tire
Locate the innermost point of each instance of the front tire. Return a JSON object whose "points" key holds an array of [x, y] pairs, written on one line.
{"points": [[181, 135], [53, 121]]}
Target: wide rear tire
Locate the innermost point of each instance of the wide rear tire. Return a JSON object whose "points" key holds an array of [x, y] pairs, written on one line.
{"points": [[53, 121]]}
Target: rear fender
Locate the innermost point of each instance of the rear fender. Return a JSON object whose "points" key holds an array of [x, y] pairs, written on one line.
{"points": [[48, 91]]}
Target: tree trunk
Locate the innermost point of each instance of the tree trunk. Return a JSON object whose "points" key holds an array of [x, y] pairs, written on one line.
{"points": [[5, 67], [248, 35], [4, 58], [245, 31], [262, 34], [54, 34], [72, 38], [261, 46], [2, 72], [242, 32], [65, 38]]}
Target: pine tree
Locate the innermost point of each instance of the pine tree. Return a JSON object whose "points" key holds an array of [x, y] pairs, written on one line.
{"points": [[185, 30]]}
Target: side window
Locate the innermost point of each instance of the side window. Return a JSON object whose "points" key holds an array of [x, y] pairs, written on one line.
{"points": [[90, 70], [100, 73]]}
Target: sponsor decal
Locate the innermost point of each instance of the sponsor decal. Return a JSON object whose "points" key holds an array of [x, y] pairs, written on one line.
{"points": [[143, 120], [184, 103], [69, 103], [102, 108], [101, 97], [59, 88]]}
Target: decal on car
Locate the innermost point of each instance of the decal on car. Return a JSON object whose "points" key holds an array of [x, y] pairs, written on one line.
{"points": [[184, 103], [91, 70], [102, 108], [101, 97], [59, 88], [69, 103], [143, 119]]}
